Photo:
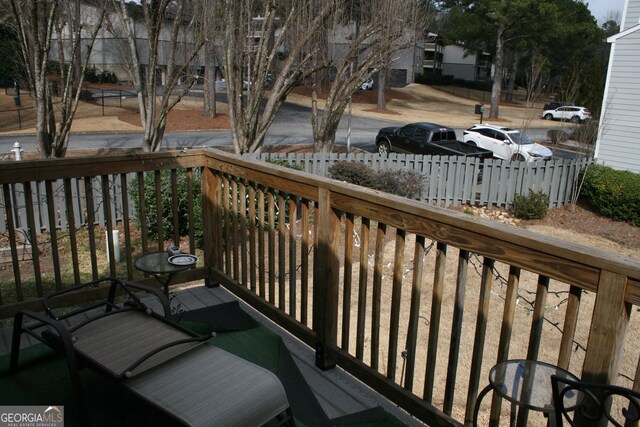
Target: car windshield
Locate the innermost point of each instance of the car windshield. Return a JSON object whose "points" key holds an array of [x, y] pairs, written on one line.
{"points": [[520, 138]]}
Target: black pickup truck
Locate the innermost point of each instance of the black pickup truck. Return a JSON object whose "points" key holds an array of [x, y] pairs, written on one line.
{"points": [[426, 138]]}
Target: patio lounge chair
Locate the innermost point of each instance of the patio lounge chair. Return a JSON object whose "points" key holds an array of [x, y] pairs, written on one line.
{"points": [[157, 359]]}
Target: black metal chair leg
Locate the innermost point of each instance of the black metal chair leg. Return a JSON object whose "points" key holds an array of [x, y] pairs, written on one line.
{"points": [[15, 342]]}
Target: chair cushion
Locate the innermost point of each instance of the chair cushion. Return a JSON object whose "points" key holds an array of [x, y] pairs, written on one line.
{"points": [[118, 340], [209, 386]]}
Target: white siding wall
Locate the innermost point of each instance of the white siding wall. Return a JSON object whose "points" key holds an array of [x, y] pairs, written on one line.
{"points": [[632, 15], [619, 143]]}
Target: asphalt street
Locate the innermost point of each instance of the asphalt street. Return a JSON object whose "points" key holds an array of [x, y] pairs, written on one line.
{"points": [[292, 126]]}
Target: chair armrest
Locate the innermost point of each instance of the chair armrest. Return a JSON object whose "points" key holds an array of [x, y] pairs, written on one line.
{"points": [[155, 292], [113, 284]]}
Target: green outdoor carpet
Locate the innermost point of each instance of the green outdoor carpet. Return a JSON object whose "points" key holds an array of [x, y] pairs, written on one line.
{"points": [[43, 378]]}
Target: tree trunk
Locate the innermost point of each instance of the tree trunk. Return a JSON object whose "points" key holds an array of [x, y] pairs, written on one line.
{"points": [[497, 80], [512, 77], [209, 109], [382, 83]]}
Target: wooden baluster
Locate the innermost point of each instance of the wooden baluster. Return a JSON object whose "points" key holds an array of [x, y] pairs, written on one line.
{"points": [[414, 310], [434, 325], [235, 248], [243, 234], [159, 210], [282, 237], [377, 292], [11, 226], [362, 287], [126, 219], [396, 296], [346, 287], [252, 238], [33, 236], [505, 334], [261, 229], [456, 331], [71, 226], [304, 264], [53, 232], [91, 222], [174, 207], [142, 210], [108, 215], [190, 211], [272, 246], [293, 297], [482, 319], [569, 328], [228, 230]]}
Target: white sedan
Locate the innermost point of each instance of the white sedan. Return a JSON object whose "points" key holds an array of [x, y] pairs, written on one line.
{"points": [[506, 143], [572, 113]]}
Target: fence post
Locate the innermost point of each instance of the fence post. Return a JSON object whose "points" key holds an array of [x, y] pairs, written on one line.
{"points": [[326, 280]]}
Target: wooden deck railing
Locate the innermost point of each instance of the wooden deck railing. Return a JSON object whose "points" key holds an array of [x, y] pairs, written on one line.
{"points": [[417, 301]]}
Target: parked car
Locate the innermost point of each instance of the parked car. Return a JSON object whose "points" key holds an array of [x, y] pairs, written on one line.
{"points": [[552, 105], [572, 113], [425, 138], [506, 143], [367, 84]]}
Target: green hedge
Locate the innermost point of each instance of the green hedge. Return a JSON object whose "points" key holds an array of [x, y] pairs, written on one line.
{"points": [[613, 193], [167, 205], [533, 206]]}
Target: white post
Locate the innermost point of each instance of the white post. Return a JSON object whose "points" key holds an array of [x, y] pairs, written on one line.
{"points": [[17, 150], [116, 244]]}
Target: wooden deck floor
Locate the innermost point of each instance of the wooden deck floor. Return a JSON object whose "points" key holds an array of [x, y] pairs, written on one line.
{"points": [[338, 392]]}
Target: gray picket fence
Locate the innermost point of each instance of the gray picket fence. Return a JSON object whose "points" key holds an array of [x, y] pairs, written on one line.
{"points": [[448, 181], [81, 204], [453, 180]]}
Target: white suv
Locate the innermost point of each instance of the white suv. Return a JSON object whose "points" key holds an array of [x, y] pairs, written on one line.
{"points": [[571, 113], [506, 143]]}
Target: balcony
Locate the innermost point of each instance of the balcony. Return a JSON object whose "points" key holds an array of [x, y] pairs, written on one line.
{"points": [[416, 301]]}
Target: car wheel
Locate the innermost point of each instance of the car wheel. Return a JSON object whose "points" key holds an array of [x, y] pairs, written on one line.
{"points": [[470, 142], [548, 116], [517, 158], [383, 148], [575, 119]]}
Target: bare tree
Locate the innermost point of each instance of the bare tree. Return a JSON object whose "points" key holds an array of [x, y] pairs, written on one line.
{"points": [[354, 57], [49, 29], [537, 78], [167, 39], [212, 17], [209, 89], [263, 39]]}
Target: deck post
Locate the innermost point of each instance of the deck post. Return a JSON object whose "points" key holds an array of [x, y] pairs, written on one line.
{"points": [[211, 226], [608, 331], [326, 280]]}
